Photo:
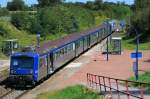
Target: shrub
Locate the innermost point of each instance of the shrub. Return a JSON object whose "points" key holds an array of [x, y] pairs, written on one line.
{"points": [[22, 20]]}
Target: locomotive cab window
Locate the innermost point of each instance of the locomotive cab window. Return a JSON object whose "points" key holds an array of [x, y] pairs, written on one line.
{"points": [[22, 62]]}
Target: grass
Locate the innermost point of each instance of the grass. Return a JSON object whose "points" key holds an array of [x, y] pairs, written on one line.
{"points": [[2, 56], [142, 78], [11, 32], [73, 92], [128, 44]]}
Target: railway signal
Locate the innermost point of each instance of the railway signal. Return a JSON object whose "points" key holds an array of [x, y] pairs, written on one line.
{"points": [[38, 39]]}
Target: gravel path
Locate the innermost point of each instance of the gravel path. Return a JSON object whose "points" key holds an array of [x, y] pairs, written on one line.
{"points": [[4, 64]]}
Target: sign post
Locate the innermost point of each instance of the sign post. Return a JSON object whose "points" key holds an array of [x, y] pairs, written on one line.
{"points": [[137, 48], [136, 55]]}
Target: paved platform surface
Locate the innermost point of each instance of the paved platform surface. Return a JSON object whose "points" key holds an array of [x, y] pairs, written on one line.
{"points": [[118, 66]]}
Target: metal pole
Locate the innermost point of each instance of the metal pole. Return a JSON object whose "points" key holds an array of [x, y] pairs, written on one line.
{"points": [[107, 40], [137, 48], [107, 48], [120, 47]]}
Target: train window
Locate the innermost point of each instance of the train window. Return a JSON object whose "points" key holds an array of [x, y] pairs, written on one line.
{"points": [[65, 50], [15, 62], [73, 46], [22, 62], [61, 52], [78, 44], [55, 55], [69, 47], [81, 42], [49, 59], [97, 34]]}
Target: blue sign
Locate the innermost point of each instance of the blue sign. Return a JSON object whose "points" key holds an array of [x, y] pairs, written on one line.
{"points": [[136, 55]]}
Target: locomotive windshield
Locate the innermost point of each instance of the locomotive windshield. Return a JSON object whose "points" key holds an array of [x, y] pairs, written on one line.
{"points": [[22, 62]]}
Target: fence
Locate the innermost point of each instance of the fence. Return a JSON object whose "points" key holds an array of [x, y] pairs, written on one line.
{"points": [[118, 87]]}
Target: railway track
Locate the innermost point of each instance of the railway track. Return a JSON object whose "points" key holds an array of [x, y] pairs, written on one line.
{"points": [[3, 94], [8, 93], [14, 94]]}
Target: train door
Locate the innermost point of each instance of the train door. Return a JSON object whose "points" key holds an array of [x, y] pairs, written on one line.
{"points": [[97, 36], [43, 67], [49, 66], [77, 47], [88, 41], [74, 49], [85, 43]]}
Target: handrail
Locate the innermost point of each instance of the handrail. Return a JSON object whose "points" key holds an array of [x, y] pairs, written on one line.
{"points": [[122, 79], [107, 84]]}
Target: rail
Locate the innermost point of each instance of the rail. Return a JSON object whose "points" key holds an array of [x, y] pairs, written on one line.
{"points": [[117, 86]]}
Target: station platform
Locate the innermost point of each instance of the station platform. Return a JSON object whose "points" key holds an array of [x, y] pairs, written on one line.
{"points": [[94, 62]]}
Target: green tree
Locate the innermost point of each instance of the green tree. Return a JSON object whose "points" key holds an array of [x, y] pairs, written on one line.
{"points": [[89, 5], [57, 20], [141, 18], [22, 20], [16, 5], [140, 9], [43, 3], [98, 4]]}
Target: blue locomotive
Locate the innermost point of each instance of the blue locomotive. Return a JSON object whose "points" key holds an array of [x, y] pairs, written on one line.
{"points": [[34, 66]]}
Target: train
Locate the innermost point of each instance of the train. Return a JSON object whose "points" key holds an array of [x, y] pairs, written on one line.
{"points": [[32, 67]]}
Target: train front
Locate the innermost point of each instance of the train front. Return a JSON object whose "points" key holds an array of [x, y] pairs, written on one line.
{"points": [[24, 68]]}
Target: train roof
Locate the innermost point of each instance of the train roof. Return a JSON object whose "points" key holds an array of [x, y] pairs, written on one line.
{"points": [[64, 40], [28, 54]]}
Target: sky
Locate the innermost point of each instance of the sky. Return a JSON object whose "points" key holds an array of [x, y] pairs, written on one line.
{"points": [[30, 2]]}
